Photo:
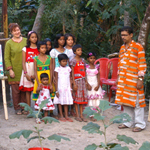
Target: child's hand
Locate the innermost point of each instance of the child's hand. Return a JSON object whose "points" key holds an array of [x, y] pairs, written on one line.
{"points": [[51, 88], [39, 88], [33, 77], [96, 88], [57, 94], [28, 77], [75, 88], [89, 87]]}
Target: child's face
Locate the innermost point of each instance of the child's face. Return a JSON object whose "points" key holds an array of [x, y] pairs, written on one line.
{"points": [[33, 38], [44, 81], [63, 62], [49, 46], [43, 49], [61, 41], [78, 51], [70, 41], [92, 59]]}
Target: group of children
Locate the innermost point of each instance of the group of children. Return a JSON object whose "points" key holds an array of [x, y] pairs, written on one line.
{"points": [[60, 75]]}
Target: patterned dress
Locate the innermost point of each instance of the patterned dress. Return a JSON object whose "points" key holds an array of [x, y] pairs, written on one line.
{"points": [[80, 96], [44, 94], [94, 97], [64, 89], [42, 67], [26, 85], [131, 64]]}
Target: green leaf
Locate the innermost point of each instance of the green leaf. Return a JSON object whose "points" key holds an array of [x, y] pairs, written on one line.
{"points": [[103, 144], [26, 107], [104, 105], [126, 139], [91, 147], [118, 147], [122, 118], [24, 133], [111, 145], [92, 128], [89, 2], [145, 146], [88, 111], [34, 137], [98, 116], [57, 138], [49, 119], [43, 104]]}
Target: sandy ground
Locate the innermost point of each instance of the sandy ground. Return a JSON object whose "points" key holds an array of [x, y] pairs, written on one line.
{"points": [[73, 130]]}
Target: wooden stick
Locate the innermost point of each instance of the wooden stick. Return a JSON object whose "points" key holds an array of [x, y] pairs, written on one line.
{"points": [[4, 99], [149, 112]]}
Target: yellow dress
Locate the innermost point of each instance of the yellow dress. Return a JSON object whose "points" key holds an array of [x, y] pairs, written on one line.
{"points": [[41, 68]]}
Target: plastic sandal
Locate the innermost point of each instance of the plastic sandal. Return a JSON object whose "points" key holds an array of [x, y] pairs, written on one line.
{"points": [[137, 129], [122, 126], [78, 119], [84, 120], [62, 119], [18, 112], [69, 119]]}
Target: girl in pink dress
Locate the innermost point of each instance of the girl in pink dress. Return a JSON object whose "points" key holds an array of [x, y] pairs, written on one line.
{"points": [[95, 92], [28, 54]]}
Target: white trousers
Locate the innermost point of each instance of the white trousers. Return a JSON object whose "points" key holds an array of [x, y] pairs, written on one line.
{"points": [[136, 114]]}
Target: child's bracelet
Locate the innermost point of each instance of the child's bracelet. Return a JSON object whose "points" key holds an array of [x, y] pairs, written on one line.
{"points": [[56, 92], [25, 72]]}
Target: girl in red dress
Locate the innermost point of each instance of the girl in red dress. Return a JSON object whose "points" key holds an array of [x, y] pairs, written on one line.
{"points": [[79, 81], [28, 54]]}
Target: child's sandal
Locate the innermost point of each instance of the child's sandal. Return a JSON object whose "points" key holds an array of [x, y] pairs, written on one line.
{"points": [[62, 119], [78, 119], [18, 112], [84, 120]]}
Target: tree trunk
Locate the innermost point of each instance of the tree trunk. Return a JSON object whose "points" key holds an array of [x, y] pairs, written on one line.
{"points": [[37, 23], [145, 28], [127, 21]]}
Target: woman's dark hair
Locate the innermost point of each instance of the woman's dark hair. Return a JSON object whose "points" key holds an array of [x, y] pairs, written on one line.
{"points": [[91, 54], [75, 47], [39, 44], [58, 36], [44, 75], [62, 57], [28, 38], [127, 28], [66, 37]]}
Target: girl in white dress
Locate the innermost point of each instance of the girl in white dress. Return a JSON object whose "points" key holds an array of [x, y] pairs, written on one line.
{"points": [[63, 87], [44, 94], [95, 92]]}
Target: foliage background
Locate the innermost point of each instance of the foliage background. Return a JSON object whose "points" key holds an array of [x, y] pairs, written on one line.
{"points": [[95, 23]]}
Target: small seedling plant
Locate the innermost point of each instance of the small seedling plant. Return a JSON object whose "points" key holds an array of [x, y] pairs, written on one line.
{"points": [[37, 130], [95, 128]]}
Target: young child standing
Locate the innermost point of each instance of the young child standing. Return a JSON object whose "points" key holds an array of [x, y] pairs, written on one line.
{"points": [[44, 93], [95, 92], [42, 64], [63, 87], [49, 45], [28, 54], [79, 81], [69, 42]]}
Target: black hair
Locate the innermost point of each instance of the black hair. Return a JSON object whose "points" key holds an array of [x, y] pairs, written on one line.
{"points": [[91, 54], [28, 38], [48, 40], [62, 57], [44, 75], [66, 37], [58, 36], [127, 28], [40, 43], [75, 47]]}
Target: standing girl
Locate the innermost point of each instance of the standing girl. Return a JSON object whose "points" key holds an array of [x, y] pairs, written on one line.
{"points": [[42, 64], [44, 93], [79, 81], [63, 87], [69, 42], [95, 92], [49, 45], [28, 54]]}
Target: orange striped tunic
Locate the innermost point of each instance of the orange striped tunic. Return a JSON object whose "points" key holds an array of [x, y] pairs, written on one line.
{"points": [[131, 64]]}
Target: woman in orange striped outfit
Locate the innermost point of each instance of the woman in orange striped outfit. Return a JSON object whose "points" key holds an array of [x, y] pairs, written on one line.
{"points": [[130, 89]]}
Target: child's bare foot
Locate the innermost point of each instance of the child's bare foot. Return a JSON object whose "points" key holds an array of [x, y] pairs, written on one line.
{"points": [[62, 119], [69, 119]]}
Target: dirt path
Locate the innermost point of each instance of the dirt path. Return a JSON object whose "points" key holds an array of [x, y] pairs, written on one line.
{"points": [[79, 138]]}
